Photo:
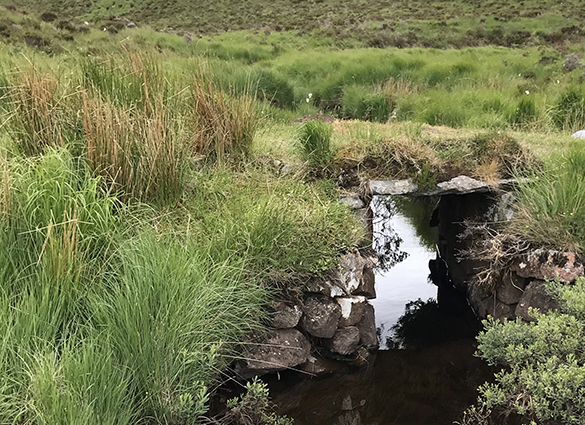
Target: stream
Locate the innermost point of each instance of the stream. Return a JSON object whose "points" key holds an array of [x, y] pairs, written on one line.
{"points": [[425, 371]]}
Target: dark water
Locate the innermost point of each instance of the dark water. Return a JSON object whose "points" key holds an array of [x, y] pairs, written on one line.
{"points": [[426, 373], [432, 386]]}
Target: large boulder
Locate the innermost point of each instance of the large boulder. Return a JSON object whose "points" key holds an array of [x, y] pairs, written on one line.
{"points": [[535, 296], [284, 349], [285, 316], [352, 310], [345, 340], [367, 328], [320, 316], [548, 265]]}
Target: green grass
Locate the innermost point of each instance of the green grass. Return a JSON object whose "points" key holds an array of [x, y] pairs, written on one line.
{"points": [[551, 206]]}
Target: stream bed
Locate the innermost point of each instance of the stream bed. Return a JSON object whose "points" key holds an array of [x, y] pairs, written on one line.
{"points": [[425, 371]]}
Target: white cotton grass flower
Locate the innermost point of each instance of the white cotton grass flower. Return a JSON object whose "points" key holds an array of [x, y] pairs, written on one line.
{"points": [[527, 92], [558, 81], [310, 95], [308, 100]]}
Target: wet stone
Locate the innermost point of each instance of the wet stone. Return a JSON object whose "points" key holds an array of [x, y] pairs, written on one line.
{"points": [[367, 328], [319, 366], [321, 316], [535, 296], [345, 340], [511, 289]]}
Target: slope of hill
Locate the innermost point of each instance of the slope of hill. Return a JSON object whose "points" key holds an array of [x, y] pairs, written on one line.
{"points": [[377, 23]]}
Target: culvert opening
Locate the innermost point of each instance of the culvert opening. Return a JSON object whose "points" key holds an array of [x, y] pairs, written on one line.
{"points": [[426, 371], [416, 305]]}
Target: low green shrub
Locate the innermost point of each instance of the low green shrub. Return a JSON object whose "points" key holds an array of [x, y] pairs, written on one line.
{"points": [[253, 407], [569, 111], [313, 139], [524, 113], [544, 372], [364, 103]]}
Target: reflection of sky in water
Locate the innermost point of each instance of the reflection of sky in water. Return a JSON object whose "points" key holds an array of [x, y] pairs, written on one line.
{"points": [[405, 281]]}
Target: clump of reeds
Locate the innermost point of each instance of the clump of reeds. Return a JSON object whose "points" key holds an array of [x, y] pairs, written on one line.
{"points": [[221, 125], [138, 152], [37, 118]]}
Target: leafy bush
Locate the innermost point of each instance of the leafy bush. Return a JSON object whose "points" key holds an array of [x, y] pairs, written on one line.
{"points": [[545, 366], [314, 142], [253, 408]]}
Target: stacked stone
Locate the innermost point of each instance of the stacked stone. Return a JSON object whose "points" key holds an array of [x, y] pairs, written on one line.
{"points": [[524, 286], [334, 318]]}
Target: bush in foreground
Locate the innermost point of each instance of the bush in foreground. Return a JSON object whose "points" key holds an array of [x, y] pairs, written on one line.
{"points": [[543, 378]]}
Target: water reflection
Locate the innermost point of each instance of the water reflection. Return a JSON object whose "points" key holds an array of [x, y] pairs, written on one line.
{"points": [[399, 387], [417, 306], [404, 243]]}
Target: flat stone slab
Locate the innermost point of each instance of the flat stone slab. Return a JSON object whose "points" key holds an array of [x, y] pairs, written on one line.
{"points": [[460, 185], [393, 187]]}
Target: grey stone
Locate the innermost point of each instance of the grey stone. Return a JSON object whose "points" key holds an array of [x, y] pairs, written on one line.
{"points": [[480, 299], [572, 62], [511, 289], [393, 187], [321, 316], [284, 349], [345, 340], [325, 286], [579, 134], [548, 265], [502, 210], [503, 311], [356, 275], [352, 310], [286, 317], [535, 296], [319, 366], [367, 328], [285, 170], [459, 185], [353, 202]]}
